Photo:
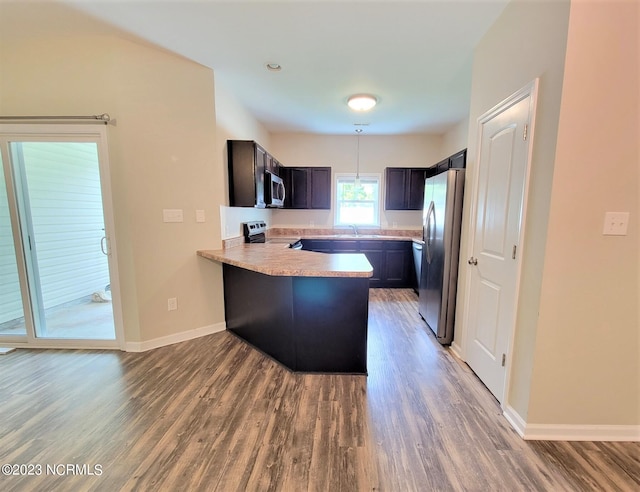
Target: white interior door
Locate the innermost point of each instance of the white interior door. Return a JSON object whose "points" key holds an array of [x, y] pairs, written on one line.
{"points": [[494, 264]]}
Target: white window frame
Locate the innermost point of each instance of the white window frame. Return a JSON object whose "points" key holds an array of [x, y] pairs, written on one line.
{"points": [[336, 202]]}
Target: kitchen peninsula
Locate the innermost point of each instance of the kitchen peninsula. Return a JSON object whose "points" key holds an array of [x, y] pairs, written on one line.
{"points": [[307, 310]]}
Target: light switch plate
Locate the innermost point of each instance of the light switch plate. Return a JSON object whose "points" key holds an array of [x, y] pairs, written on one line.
{"points": [[200, 216], [172, 215], [615, 223]]}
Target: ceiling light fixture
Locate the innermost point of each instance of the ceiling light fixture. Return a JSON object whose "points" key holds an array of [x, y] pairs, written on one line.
{"points": [[362, 102], [273, 67]]}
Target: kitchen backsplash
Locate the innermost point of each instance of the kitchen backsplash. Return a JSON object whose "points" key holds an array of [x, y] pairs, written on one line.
{"points": [[290, 232]]}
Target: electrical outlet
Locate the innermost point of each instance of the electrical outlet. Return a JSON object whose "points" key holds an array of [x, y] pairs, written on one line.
{"points": [[172, 304], [615, 223], [200, 217]]}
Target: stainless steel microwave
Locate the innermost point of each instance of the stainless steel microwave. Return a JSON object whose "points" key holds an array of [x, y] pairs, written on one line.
{"points": [[273, 190]]}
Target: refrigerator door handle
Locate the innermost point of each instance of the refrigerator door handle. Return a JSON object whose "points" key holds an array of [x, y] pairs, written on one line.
{"points": [[430, 229]]}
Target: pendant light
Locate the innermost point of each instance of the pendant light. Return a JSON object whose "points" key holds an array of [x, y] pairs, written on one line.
{"points": [[357, 181]]}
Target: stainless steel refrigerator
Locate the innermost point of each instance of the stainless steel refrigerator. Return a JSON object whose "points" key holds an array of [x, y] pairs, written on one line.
{"points": [[441, 222]]}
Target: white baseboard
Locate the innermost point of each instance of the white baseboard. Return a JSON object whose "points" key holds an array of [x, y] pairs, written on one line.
{"points": [[456, 349], [514, 418], [565, 432], [174, 338]]}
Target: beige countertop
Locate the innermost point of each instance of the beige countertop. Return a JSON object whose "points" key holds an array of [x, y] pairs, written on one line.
{"points": [[279, 260]]}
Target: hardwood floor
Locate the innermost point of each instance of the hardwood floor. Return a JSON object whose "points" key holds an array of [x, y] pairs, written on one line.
{"points": [[213, 414]]}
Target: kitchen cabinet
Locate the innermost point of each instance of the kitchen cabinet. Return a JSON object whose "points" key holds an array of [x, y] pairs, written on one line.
{"points": [[392, 261], [318, 245], [295, 185], [455, 161], [307, 187], [320, 185], [458, 160], [304, 323], [404, 188], [397, 264], [268, 162], [247, 163], [405, 185], [375, 254], [345, 247], [272, 164]]}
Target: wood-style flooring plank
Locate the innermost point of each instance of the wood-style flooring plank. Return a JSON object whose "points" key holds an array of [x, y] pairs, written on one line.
{"points": [[214, 414]]}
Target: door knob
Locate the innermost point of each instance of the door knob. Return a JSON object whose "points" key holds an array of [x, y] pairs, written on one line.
{"points": [[472, 261]]}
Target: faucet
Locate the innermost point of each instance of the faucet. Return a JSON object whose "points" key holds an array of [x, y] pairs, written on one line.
{"points": [[355, 229]]}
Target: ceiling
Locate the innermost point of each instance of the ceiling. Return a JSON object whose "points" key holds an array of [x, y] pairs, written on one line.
{"points": [[414, 56]]}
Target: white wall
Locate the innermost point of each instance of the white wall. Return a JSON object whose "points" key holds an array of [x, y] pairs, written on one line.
{"points": [[340, 152], [161, 149], [234, 122], [575, 354], [587, 347], [456, 139]]}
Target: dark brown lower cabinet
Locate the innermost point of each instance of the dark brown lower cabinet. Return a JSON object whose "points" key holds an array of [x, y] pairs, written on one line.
{"points": [[398, 258], [392, 261], [318, 245], [302, 322]]}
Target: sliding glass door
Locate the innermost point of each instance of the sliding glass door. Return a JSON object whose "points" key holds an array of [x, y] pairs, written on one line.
{"points": [[63, 252], [12, 315]]}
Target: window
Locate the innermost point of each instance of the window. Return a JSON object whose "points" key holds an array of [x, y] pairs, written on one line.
{"points": [[357, 205]]}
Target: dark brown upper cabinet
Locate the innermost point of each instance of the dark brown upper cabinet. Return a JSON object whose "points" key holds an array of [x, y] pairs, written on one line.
{"points": [[248, 161], [405, 185], [458, 160], [404, 188], [307, 187]]}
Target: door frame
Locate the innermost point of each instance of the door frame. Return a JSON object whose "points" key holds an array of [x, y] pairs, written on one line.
{"points": [[53, 132], [528, 91]]}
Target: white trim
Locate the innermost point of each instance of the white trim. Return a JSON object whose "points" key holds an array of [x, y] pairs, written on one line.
{"points": [[56, 132], [570, 432], [61, 343], [528, 91], [175, 338], [456, 349], [334, 197], [514, 418], [559, 432]]}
